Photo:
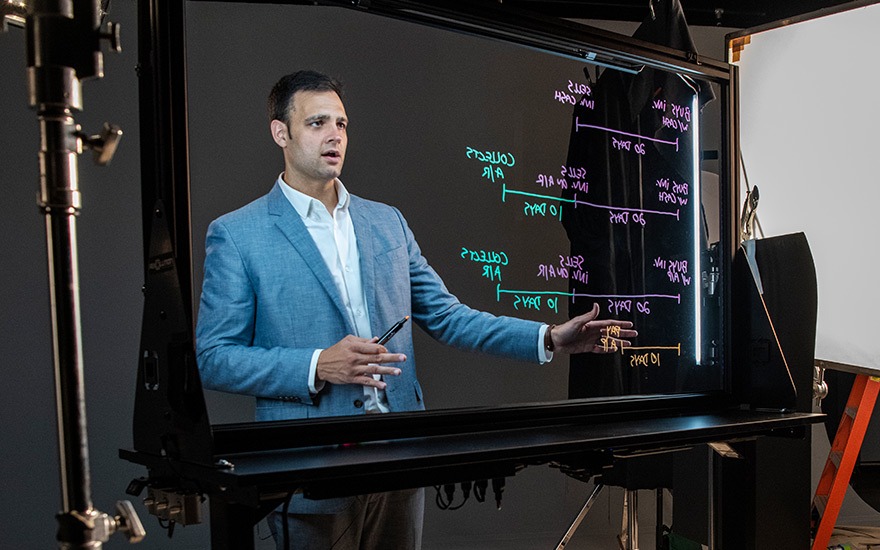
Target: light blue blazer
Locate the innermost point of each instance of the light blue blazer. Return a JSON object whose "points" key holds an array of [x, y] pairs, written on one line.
{"points": [[268, 301]]}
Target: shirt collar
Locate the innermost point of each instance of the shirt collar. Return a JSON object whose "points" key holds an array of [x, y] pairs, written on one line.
{"points": [[304, 204]]}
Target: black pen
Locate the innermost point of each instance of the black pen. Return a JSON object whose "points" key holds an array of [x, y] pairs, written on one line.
{"points": [[393, 330]]}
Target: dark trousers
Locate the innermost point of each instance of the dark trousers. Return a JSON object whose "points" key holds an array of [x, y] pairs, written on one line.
{"points": [[381, 521]]}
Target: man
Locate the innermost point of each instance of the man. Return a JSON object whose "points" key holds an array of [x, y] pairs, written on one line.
{"points": [[299, 282]]}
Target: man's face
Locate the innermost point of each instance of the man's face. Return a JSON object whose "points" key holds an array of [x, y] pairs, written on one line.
{"points": [[315, 140]]}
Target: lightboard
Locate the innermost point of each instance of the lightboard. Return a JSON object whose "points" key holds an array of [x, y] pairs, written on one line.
{"points": [[535, 183]]}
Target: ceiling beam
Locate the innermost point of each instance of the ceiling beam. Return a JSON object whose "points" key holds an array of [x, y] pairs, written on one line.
{"points": [[725, 13]]}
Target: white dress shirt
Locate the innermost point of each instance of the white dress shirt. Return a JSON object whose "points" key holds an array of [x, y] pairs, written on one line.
{"points": [[334, 236]]}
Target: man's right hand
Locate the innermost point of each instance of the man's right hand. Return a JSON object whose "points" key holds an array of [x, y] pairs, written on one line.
{"points": [[355, 360]]}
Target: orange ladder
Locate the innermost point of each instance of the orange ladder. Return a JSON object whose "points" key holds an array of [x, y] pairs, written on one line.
{"points": [[842, 458]]}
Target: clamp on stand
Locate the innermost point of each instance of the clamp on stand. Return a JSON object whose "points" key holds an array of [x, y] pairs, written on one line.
{"points": [[89, 530], [12, 12], [63, 48]]}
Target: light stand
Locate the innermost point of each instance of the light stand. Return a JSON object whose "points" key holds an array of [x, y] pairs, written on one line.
{"points": [[64, 48]]}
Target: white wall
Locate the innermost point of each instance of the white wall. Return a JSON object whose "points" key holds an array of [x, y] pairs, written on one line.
{"points": [[808, 117]]}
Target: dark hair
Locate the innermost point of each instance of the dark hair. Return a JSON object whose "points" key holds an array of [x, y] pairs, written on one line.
{"points": [[307, 81]]}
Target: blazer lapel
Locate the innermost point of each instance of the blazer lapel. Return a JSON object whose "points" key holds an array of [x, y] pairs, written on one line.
{"points": [[292, 226], [363, 231]]}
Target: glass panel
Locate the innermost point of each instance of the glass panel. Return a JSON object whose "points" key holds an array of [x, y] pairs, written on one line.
{"points": [[535, 184]]}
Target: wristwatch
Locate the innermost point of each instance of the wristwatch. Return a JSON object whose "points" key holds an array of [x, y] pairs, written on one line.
{"points": [[548, 339]]}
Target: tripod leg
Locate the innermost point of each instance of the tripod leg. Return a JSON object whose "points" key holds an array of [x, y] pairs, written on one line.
{"points": [[580, 517], [632, 526], [628, 539]]}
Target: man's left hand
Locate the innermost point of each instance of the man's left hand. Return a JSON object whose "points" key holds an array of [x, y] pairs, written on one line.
{"points": [[585, 333]]}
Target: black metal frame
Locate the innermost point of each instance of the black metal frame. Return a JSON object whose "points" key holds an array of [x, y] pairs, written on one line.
{"points": [[822, 12], [164, 128], [245, 485], [164, 143], [250, 468]]}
